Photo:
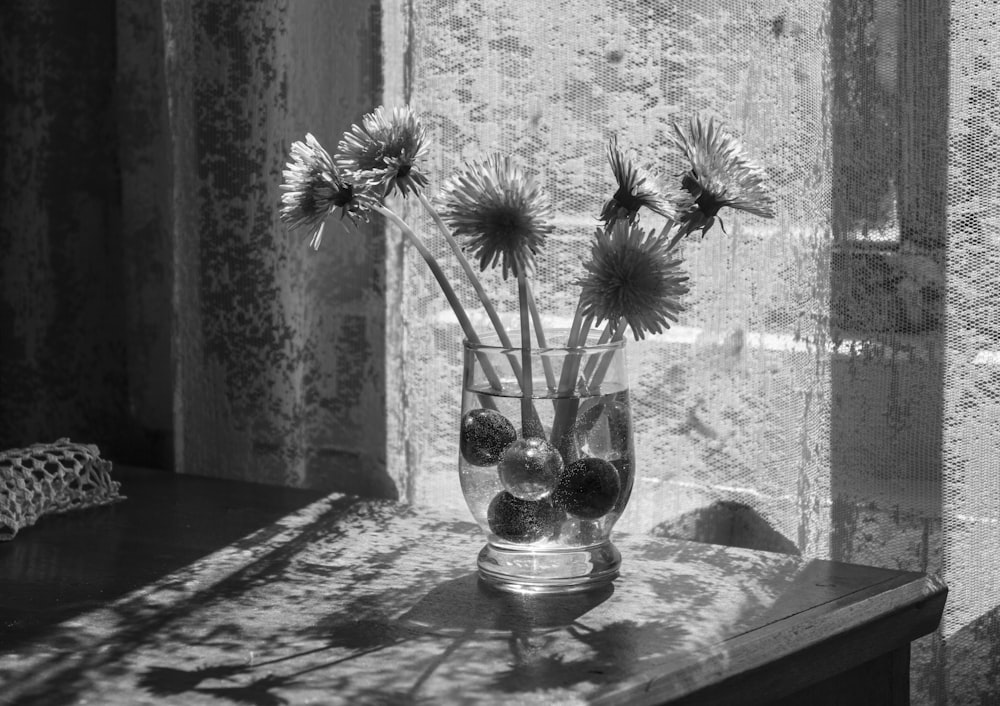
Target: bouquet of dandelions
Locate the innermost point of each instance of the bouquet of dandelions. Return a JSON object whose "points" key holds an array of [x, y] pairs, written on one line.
{"points": [[633, 278]]}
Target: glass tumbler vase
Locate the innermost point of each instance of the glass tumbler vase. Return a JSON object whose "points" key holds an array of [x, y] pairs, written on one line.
{"points": [[546, 460]]}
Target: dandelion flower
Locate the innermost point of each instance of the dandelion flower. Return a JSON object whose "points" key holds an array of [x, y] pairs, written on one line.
{"points": [[500, 210], [384, 151], [632, 276], [636, 189], [720, 175], [313, 189]]}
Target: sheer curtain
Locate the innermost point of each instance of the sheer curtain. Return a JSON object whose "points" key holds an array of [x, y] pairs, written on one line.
{"points": [[834, 377], [832, 382]]}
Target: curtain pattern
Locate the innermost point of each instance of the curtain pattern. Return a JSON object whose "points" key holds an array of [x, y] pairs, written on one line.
{"points": [[733, 404], [970, 429], [833, 378]]}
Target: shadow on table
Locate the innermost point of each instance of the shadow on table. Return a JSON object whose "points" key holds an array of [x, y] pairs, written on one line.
{"points": [[601, 653], [69, 564], [460, 610], [465, 606]]}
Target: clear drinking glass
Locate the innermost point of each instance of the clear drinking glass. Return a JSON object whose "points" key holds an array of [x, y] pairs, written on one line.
{"points": [[546, 460]]}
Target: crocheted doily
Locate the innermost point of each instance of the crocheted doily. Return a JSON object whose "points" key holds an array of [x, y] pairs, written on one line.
{"points": [[46, 479]]}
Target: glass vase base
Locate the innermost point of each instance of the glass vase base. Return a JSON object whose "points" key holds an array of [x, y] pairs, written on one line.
{"points": [[547, 571]]}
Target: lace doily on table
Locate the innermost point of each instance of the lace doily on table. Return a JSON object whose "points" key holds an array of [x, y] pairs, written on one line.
{"points": [[46, 479]]}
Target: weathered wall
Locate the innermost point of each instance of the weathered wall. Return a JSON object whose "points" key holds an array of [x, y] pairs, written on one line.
{"points": [[62, 292]]}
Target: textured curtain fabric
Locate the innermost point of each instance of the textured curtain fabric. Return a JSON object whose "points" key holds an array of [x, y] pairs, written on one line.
{"points": [[830, 391], [831, 388]]}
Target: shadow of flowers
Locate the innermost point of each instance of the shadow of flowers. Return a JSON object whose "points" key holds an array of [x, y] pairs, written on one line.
{"points": [[460, 610], [466, 606], [615, 651], [167, 681]]}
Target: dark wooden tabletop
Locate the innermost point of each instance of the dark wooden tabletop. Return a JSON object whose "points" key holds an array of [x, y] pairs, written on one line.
{"points": [[166, 599]]}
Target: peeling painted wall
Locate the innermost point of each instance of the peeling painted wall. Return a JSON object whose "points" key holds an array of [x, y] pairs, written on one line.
{"points": [[152, 302], [62, 294], [278, 349]]}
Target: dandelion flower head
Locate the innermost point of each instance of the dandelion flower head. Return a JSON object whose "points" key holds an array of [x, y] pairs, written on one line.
{"points": [[500, 211], [384, 152], [719, 174], [313, 188], [636, 189], [632, 276]]}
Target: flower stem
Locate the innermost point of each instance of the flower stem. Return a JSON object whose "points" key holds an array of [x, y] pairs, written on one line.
{"points": [[530, 424], [567, 378], [449, 292], [609, 330], [477, 285], [439, 275], [681, 232], [567, 402], [491, 311], [550, 378], [614, 332]]}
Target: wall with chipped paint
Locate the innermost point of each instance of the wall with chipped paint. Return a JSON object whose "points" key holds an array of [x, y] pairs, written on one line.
{"points": [[62, 292], [279, 349], [152, 302]]}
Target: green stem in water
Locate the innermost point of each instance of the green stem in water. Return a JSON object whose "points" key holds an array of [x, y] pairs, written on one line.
{"points": [[567, 402]]}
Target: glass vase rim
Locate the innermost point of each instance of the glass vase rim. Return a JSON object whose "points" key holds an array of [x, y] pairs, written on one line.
{"points": [[491, 342]]}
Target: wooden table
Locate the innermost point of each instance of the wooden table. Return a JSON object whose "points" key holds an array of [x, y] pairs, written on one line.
{"points": [[332, 600]]}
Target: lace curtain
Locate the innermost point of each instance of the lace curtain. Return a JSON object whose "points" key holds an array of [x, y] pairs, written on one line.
{"points": [[834, 376], [735, 401], [831, 386]]}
